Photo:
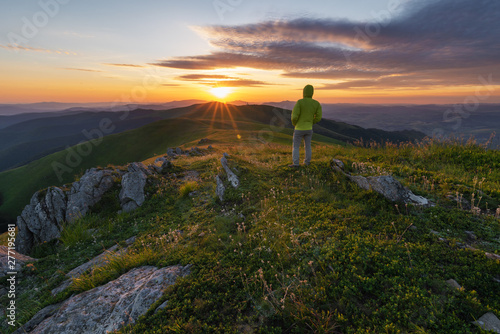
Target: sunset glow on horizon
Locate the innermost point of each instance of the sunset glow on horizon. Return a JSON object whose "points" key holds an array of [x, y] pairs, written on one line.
{"points": [[374, 51]]}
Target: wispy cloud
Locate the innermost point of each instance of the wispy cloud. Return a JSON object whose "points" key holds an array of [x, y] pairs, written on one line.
{"points": [[123, 65], [440, 42], [80, 69], [33, 49], [221, 80]]}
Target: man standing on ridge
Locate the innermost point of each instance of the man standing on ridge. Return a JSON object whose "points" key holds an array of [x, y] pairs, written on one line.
{"points": [[306, 112]]}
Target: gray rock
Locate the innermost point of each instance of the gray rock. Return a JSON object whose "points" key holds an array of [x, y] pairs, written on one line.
{"points": [[470, 236], [386, 185], [41, 220], [165, 166], [338, 163], [133, 183], [136, 167], [454, 284], [162, 306], [87, 192], [21, 259], [160, 159], [220, 189], [209, 147], [489, 322], [109, 307], [203, 141], [492, 256], [233, 179], [178, 150], [38, 318], [170, 152]]}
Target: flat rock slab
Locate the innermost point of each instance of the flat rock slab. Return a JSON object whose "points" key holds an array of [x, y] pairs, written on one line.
{"points": [[489, 322], [109, 307]]}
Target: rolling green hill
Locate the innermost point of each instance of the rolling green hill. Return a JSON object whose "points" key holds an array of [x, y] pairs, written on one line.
{"points": [[291, 250], [215, 120]]}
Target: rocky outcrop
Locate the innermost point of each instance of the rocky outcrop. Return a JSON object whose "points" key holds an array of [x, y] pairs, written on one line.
{"points": [[109, 307], [133, 183], [88, 191], [38, 318], [4, 260], [42, 219], [386, 185]]}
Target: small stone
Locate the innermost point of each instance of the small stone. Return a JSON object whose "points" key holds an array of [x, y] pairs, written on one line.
{"points": [[470, 235], [413, 228], [338, 163], [178, 150], [453, 284], [489, 322], [220, 189], [162, 306], [492, 256]]}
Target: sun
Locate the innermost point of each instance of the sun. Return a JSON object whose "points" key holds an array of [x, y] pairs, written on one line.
{"points": [[220, 92]]}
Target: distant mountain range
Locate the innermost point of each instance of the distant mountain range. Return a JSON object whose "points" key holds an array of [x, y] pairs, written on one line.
{"points": [[446, 120]]}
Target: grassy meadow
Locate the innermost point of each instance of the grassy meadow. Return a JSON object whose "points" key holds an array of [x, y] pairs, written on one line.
{"points": [[300, 251]]}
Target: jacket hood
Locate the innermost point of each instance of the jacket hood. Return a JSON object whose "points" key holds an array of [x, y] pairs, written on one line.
{"points": [[308, 91]]}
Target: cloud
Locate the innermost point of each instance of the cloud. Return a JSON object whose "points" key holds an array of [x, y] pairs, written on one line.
{"points": [[80, 69], [33, 49], [123, 65], [429, 42], [219, 80]]}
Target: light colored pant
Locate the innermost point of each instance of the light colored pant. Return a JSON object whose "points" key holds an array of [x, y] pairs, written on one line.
{"points": [[298, 135]]}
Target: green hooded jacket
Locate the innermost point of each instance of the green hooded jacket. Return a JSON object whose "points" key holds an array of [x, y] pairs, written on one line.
{"points": [[307, 111]]}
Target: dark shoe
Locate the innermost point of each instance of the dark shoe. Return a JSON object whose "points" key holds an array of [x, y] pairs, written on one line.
{"points": [[295, 166]]}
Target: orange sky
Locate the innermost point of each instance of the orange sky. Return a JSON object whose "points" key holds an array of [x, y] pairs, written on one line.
{"points": [[263, 51]]}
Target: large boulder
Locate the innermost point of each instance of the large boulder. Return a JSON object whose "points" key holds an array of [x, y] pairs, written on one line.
{"points": [[41, 220], [386, 185], [109, 307], [133, 183], [88, 191]]}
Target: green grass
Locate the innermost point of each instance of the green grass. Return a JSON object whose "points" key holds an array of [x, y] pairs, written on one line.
{"points": [[300, 251], [18, 185]]}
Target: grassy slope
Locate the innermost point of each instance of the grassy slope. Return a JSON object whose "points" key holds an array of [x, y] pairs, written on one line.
{"points": [[314, 253], [18, 185]]}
